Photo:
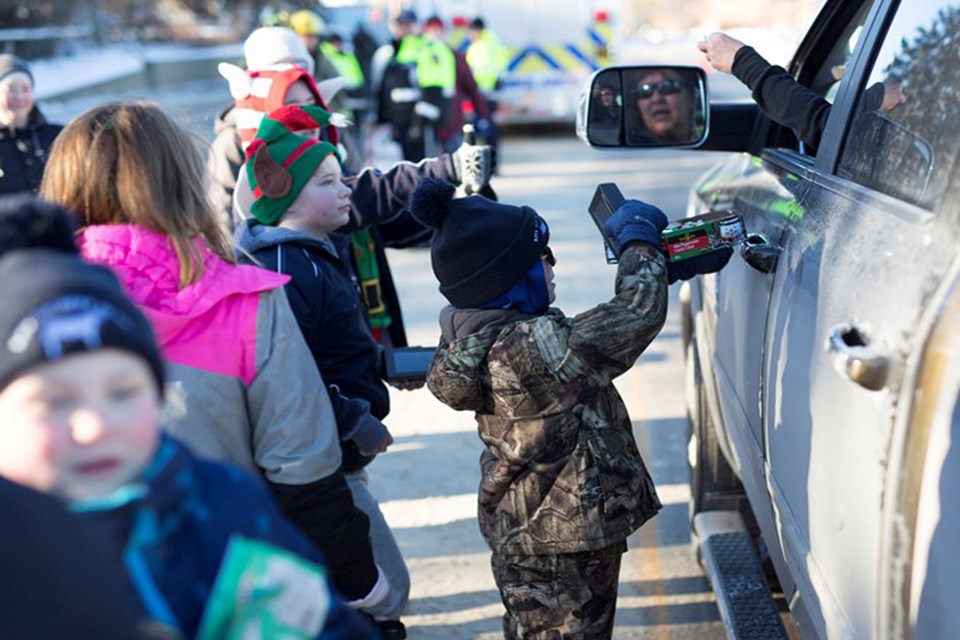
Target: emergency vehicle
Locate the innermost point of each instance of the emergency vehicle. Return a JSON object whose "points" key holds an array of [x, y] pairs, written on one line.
{"points": [[553, 49]]}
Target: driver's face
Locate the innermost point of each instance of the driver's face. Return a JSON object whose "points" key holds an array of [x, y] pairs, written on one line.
{"points": [[660, 111]]}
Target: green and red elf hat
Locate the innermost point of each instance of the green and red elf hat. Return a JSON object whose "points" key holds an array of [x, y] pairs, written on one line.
{"points": [[281, 161]]}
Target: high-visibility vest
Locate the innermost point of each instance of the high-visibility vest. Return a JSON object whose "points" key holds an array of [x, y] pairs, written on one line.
{"points": [[437, 66], [346, 64], [488, 59], [409, 49]]}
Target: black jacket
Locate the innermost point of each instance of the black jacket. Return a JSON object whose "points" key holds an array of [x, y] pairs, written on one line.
{"points": [[61, 578], [326, 301], [23, 153], [786, 101]]}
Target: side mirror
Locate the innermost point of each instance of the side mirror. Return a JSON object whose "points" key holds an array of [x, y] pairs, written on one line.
{"points": [[644, 106]]}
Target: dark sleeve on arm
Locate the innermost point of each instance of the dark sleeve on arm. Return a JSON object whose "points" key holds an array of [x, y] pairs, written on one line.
{"points": [[781, 97], [325, 513], [381, 198]]}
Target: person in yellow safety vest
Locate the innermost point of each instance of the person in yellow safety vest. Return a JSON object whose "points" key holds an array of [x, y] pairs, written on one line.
{"points": [[310, 28], [437, 78], [354, 99], [487, 56], [416, 86], [488, 59], [345, 62]]}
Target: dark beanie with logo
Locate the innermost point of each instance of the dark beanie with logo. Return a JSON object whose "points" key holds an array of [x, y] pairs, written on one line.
{"points": [[55, 305], [480, 248]]}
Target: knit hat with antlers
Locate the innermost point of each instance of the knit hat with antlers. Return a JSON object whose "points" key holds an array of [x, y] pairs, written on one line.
{"points": [[280, 161]]}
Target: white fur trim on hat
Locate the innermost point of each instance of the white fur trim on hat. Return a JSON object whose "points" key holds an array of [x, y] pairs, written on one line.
{"points": [[268, 46]]}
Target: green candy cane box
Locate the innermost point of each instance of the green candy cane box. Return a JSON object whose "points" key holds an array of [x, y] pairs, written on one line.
{"points": [[690, 237]]}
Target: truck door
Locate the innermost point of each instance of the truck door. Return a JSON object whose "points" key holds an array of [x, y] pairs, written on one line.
{"points": [[858, 269]]}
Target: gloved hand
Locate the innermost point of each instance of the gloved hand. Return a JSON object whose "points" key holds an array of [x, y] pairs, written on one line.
{"points": [[635, 221], [472, 165], [408, 384], [484, 128], [371, 436], [705, 263], [379, 591], [427, 110]]}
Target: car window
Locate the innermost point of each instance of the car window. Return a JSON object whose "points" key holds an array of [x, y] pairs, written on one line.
{"points": [[827, 79], [903, 139]]}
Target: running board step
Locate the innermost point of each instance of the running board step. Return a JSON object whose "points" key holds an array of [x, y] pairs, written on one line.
{"points": [[743, 595]]}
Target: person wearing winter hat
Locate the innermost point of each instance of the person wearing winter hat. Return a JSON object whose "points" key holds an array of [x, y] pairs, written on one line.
{"points": [[297, 201], [242, 386], [269, 46], [81, 385], [25, 134], [563, 483]]}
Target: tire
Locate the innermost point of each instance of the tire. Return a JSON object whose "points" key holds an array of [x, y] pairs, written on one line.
{"points": [[713, 484]]}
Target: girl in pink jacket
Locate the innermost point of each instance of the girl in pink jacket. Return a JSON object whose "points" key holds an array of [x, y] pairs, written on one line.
{"points": [[243, 386]]}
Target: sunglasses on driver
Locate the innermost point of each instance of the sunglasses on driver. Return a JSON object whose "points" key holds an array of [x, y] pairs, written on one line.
{"points": [[666, 87]]}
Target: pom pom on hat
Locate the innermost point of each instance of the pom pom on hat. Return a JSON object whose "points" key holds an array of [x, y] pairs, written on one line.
{"points": [[430, 201], [480, 248], [28, 222], [280, 161]]}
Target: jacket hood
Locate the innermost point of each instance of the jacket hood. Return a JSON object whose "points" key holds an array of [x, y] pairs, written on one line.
{"points": [[210, 324], [470, 334], [457, 324], [252, 236]]}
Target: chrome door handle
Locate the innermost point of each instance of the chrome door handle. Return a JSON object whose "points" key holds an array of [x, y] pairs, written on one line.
{"points": [[760, 253], [854, 357]]}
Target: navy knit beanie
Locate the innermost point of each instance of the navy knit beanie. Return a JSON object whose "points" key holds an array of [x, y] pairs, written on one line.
{"points": [[480, 248], [10, 63], [56, 305]]}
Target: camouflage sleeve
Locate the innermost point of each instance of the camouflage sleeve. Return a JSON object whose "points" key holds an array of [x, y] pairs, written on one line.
{"points": [[453, 377], [605, 341]]}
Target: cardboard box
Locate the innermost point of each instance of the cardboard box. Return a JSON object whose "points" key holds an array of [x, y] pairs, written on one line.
{"points": [[690, 237]]}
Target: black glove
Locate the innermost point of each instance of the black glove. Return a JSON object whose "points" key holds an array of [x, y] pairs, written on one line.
{"points": [[704, 263], [473, 165], [636, 221]]}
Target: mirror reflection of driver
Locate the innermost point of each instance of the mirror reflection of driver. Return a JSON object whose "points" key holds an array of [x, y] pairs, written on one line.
{"points": [[662, 108], [605, 114]]}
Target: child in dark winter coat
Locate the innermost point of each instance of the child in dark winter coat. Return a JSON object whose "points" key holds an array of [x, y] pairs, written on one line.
{"points": [[562, 482], [296, 201], [81, 384]]}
